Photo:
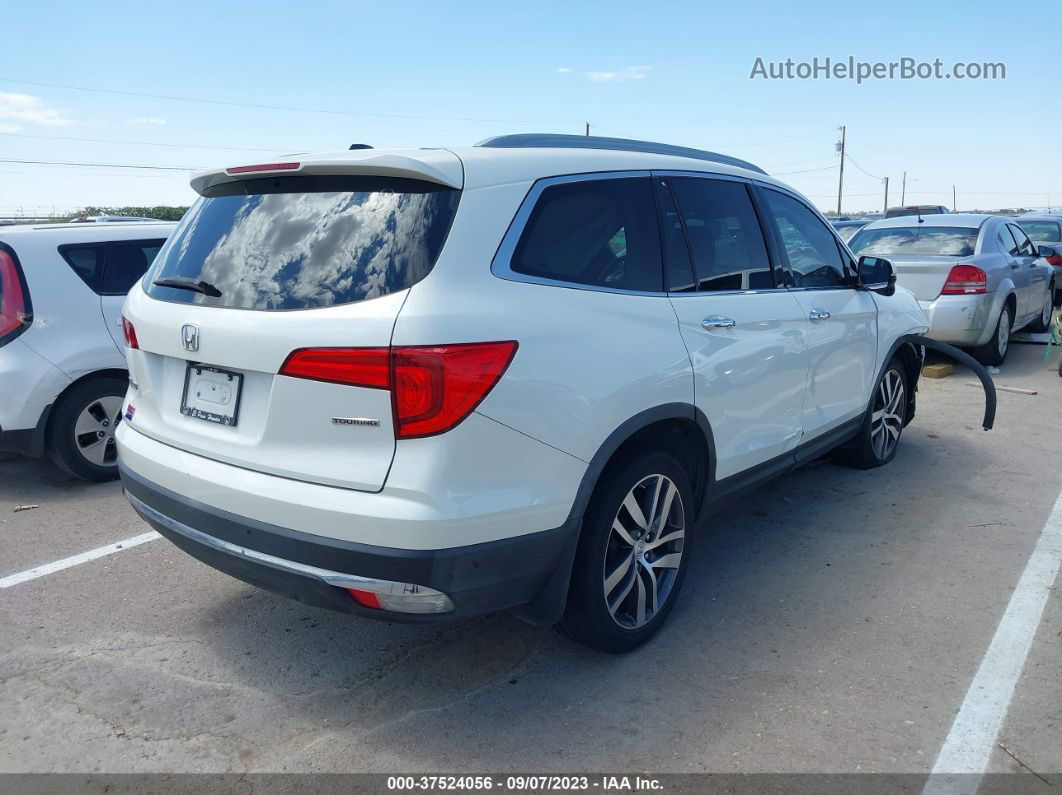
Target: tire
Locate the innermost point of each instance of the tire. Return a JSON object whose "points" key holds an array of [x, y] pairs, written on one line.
{"points": [[612, 605], [879, 436], [1043, 322], [994, 352], [91, 408]]}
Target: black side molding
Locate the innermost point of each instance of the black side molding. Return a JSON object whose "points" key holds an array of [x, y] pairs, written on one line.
{"points": [[964, 358]]}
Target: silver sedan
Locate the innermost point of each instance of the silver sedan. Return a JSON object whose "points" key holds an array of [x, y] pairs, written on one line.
{"points": [[978, 277]]}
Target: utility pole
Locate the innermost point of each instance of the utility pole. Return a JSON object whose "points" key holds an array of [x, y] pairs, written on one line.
{"points": [[954, 207], [885, 209], [840, 181], [588, 130], [903, 189]]}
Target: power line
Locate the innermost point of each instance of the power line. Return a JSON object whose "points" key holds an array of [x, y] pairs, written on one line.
{"points": [[329, 111], [137, 143], [854, 163], [101, 165], [804, 171]]}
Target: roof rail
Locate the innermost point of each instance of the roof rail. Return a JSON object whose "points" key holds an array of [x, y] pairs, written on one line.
{"points": [[556, 141]]}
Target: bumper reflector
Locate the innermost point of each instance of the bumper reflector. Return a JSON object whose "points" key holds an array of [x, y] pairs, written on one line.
{"points": [[403, 598]]}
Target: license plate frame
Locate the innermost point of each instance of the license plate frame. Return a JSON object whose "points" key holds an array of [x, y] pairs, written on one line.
{"points": [[224, 411]]}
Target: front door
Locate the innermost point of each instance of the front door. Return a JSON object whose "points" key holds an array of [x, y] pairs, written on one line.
{"points": [[841, 320]]}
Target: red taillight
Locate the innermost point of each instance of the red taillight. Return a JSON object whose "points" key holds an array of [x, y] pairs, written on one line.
{"points": [[365, 598], [262, 167], [12, 299], [433, 388], [368, 367], [436, 387], [130, 334], [965, 280], [1055, 259]]}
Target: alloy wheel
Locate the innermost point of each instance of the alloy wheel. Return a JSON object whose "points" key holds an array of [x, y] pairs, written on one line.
{"points": [[1048, 311], [94, 430], [644, 551], [887, 419]]}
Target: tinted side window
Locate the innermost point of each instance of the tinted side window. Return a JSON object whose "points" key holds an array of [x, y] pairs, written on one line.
{"points": [[1006, 240], [724, 234], [602, 233], [808, 243], [86, 261], [1025, 246], [127, 261]]}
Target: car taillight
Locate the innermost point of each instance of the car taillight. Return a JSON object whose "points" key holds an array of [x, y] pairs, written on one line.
{"points": [[130, 334], [965, 280], [433, 387], [14, 312], [1055, 259]]}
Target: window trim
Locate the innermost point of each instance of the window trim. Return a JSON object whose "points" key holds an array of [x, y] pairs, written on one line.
{"points": [[501, 265], [107, 258]]}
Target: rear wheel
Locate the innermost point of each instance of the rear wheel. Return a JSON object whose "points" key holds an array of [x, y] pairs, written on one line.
{"points": [[880, 434], [81, 431], [633, 554], [994, 352], [1043, 323]]}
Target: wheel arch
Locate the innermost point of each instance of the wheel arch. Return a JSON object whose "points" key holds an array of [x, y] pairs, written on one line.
{"points": [[108, 372]]}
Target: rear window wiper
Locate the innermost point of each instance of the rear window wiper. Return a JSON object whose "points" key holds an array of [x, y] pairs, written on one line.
{"points": [[186, 283]]}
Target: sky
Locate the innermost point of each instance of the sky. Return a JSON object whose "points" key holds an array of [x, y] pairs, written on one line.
{"points": [[450, 74]]}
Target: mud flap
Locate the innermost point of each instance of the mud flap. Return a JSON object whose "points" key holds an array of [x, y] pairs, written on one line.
{"points": [[978, 369]]}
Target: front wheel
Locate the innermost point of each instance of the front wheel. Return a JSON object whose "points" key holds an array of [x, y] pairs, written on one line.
{"points": [[879, 435], [1043, 323], [633, 554]]}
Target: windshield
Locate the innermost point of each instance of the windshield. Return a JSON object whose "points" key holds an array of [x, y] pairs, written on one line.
{"points": [[1045, 231], [303, 242], [934, 241]]}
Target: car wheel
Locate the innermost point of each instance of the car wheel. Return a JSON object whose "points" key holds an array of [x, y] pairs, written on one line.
{"points": [[1043, 323], [81, 431], [880, 433], [633, 554], [994, 352]]}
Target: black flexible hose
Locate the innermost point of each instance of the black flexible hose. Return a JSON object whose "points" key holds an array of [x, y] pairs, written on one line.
{"points": [[978, 369]]}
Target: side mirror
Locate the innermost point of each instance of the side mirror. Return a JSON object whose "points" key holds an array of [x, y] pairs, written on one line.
{"points": [[877, 274], [1046, 251]]}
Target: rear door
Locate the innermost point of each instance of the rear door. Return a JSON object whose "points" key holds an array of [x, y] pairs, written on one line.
{"points": [[842, 321], [124, 264], [745, 333], [261, 268]]}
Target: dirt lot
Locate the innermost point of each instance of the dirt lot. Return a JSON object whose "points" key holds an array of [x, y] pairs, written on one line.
{"points": [[833, 622]]}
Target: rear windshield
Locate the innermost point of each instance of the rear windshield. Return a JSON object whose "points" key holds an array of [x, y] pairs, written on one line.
{"points": [[304, 242], [1047, 231], [934, 241]]}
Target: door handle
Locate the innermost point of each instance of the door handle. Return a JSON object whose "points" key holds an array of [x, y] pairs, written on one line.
{"points": [[718, 321], [818, 314]]}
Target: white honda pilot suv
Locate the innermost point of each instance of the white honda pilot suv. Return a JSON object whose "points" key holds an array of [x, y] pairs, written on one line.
{"points": [[426, 384]]}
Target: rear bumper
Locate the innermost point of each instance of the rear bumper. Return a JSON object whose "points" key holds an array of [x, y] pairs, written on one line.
{"points": [[965, 320], [480, 578], [26, 441]]}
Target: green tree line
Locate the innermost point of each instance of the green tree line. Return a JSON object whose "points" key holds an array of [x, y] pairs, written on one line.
{"points": [[162, 212]]}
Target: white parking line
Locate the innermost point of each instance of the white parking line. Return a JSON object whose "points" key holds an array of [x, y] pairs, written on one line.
{"points": [[972, 737], [76, 560]]}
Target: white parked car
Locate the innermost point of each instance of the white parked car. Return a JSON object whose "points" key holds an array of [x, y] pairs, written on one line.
{"points": [[62, 363], [424, 384]]}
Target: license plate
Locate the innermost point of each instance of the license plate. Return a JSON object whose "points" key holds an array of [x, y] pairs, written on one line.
{"points": [[211, 394]]}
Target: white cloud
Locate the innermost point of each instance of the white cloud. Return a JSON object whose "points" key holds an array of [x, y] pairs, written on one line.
{"points": [[10, 128], [146, 120], [564, 69], [621, 76], [31, 110]]}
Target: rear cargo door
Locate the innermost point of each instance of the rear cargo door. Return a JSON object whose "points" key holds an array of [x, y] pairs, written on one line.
{"points": [[259, 269]]}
